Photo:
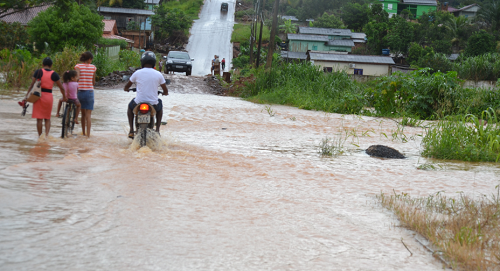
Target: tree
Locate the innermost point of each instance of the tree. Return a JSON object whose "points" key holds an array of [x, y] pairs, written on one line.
{"points": [[12, 34], [459, 29], [329, 21], [355, 16], [490, 14], [314, 8], [414, 53], [376, 29], [167, 20], [400, 35], [8, 7], [74, 26], [480, 43], [288, 27]]}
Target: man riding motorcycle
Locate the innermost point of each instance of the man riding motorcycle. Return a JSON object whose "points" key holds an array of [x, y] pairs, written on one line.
{"points": [[147, 81]]}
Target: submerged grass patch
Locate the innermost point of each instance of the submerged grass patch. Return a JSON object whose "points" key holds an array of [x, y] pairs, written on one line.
{"points": [[466, 138], [465, 230]]}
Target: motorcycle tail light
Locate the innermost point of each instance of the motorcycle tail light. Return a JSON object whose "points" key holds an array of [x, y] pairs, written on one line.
{"points": [[144, 108]]}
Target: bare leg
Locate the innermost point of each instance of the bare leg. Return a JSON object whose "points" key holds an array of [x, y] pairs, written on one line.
{"points": [[78, 107], [88, 115], [159, 115], [39, 126], [84, 118], [59, 107], [130, 116], [47, 127]]}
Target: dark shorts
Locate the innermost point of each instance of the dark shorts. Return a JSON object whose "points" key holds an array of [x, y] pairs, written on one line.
{"points": [[86, 98], [158, 107]]}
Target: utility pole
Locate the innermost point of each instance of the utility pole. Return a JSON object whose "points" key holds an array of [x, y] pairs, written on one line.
{"points": [[252, 31], [272, 44], [260, 34]]}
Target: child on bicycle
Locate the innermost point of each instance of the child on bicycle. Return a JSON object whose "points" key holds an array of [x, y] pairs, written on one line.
{"points": [[70, 84]]}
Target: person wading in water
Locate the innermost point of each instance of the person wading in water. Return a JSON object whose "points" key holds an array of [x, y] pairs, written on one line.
{"points": [[42, 109]]}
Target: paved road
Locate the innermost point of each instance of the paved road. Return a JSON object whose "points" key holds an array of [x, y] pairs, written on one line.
{"points": [[211, 35]]}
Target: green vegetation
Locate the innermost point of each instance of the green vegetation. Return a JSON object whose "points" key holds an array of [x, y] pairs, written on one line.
{"points": [[12, 35], [56, 28], [173, 19], [242, 32], [113, 42], [464, 138], [305, 86], [465, 230]]}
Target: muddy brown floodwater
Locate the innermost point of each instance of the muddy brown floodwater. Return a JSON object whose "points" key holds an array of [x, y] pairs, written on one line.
{"points": [[232, 188]]}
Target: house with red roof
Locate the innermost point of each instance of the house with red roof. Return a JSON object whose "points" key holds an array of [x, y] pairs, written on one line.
{"points": [[111, 31]]}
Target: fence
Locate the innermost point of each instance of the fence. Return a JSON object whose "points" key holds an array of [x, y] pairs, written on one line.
{"points": [[113, 52]]}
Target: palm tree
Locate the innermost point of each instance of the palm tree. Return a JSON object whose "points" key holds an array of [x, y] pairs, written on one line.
{"points": [[490, 14], [288, 27], [457, 27]]}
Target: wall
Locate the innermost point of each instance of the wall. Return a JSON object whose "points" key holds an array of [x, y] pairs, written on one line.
{"points": [[339, 48], [304, 46], [368, 69], [426, 9], [394, 8]]}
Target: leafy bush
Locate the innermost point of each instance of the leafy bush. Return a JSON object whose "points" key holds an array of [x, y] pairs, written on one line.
{"points": [[113, 42], [306, 86], [130, 58], [13, 34], [480, 43], [76, 26], [418, 93]]}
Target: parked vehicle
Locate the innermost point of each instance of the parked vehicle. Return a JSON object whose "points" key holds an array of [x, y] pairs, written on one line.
{"points": [[224, 7], [178, 61]]}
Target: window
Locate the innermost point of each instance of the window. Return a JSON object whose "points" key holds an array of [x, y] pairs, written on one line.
{"points": [[389, 6], [358, 71], [315, 48], [328, 69]]}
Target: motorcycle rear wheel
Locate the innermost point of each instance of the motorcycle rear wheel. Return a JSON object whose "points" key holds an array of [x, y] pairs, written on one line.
{"points": [[144, 134]]}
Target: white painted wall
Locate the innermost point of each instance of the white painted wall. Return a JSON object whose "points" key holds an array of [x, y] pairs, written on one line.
{"points": [[368, 69]]}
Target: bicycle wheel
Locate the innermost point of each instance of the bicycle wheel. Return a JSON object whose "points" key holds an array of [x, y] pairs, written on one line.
{"points": [[72, 114], [65, 121]]}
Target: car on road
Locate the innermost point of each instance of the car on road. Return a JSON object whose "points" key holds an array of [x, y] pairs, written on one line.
{"points": [[224, 7], [179, 61]]}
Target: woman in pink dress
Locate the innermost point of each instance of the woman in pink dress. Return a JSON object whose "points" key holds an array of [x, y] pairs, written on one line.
{"points": [[42, 109]]}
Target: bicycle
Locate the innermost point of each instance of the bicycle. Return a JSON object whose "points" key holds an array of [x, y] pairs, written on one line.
{"points": [[68, 120]]}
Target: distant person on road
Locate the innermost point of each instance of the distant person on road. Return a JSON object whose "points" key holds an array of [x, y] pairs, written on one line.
{"points": [[42, 109], [86, 81], [223, 63], [217, 64], [212, 65]]}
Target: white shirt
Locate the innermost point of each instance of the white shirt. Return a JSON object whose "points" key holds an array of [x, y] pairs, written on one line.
{"points": [[147, 81]]}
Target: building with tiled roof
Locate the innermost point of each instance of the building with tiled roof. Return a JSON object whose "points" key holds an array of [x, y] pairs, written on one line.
{"points": [[25, 16], [111, 31]]}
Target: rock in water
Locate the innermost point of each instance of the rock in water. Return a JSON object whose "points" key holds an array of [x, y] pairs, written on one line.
{"points": [[384, 152]]}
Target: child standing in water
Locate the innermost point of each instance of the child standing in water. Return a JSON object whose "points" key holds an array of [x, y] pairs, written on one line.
{"points": [[71, 86]]}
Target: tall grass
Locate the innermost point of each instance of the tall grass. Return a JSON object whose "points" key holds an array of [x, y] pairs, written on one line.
{"points": [[482, 67], [306, 86], [241, 33], [464, 138], [465, 230], [18, 65]]}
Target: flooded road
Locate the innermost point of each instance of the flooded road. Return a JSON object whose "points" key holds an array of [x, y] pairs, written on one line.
{"points": [[232, 189], [211, 35]]}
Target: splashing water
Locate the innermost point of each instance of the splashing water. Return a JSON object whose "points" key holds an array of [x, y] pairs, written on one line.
{"points": [[154, 141]]}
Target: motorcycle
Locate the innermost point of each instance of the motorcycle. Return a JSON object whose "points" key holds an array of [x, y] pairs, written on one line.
{"points": [[144, 119]]}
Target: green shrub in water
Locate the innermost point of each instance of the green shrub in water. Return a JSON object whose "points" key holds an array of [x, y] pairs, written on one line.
{"points": [[464, 138], [306, 86], [417, 93]]}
